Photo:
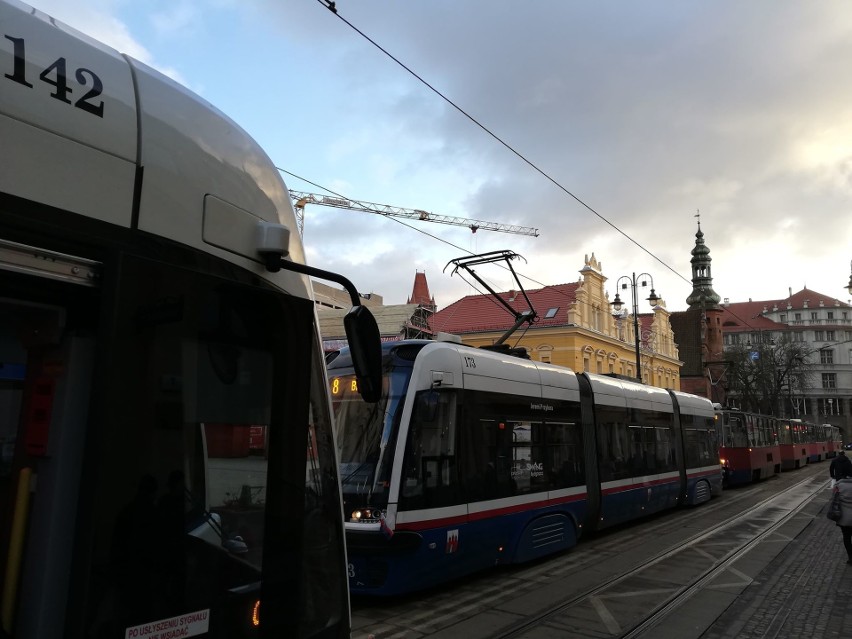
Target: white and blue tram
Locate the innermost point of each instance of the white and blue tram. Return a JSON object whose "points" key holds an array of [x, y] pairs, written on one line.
{"points": [[474, 458], [154, 309]]}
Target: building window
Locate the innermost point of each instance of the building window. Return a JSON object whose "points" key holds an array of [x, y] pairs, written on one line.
{"points": [[829, 406], [829, 336], [545, 358], [798, 337], [818, 336], [551, 312], [831, 315], [586, 364], [813, 316], [783, 317], [826, 356], [798, 316], [829, 380]]}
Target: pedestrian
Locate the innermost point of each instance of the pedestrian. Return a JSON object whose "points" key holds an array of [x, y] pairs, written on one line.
{"points": [[844, 489], [841, 466]]}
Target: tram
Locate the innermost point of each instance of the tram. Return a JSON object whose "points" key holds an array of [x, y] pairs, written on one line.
{"points": [[818, 442], [474, 458], [154, 308], [793, 443], [835, 439], [832, 438], [749, 449]]}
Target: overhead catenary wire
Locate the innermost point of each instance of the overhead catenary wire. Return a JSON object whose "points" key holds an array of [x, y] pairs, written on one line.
{"points": [[440, 239], [331, 6]]}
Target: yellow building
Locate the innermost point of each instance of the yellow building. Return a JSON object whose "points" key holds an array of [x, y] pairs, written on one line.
{"points": [[575, 328]]}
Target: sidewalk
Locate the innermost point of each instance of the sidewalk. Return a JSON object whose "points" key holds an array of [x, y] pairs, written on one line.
{"points": [[805, 592]]}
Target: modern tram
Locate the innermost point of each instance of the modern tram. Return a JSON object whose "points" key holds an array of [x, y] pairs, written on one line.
{"points": [[155, 306], [473, 458]]}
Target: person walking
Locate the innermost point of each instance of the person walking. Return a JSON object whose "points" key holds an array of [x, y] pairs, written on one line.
{"points": [[841, 466], [844, 489]]}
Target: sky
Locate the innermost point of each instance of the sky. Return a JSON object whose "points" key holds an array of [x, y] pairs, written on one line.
{"points": [[605, 125]]}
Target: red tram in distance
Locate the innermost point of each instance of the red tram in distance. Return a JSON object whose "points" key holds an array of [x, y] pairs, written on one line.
{"points": [[835, 439], [794, 443], [749, 447], [753, 447]]}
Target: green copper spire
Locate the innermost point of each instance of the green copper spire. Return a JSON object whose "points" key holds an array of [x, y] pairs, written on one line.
{"points": [[703, 295]]}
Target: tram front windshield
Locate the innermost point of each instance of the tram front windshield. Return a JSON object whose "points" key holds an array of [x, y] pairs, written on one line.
{"points": [[366, 437], [194, 433]]}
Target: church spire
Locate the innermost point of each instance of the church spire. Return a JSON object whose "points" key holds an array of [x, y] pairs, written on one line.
{"points": [[420, 293], [703, 295]]}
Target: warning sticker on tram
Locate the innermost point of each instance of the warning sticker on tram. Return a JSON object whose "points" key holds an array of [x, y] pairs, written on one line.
{"points": [[188, 625]]}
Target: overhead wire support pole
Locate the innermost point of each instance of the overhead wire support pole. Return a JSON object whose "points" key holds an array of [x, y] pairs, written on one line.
{"points": [[301, 198]]}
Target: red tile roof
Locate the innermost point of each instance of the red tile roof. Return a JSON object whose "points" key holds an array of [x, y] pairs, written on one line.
{"points": [[746, 316], [475, 313]]}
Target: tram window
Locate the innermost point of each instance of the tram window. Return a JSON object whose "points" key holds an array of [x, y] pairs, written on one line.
{"points": [[565, 454], [485, 449], [529, 468], [431, 471], [699, 440], [181, 499], [614, 443], [735, 434]]}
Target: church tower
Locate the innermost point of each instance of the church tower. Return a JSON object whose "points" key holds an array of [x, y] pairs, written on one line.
{"points": [[698, 331], [420, 293], [703, 295]]}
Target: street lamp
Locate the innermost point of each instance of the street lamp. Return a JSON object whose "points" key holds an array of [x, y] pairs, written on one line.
{"points": [[634, 282]]}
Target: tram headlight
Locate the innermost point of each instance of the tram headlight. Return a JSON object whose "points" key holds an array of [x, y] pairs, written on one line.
{"points": [[365, 515]]}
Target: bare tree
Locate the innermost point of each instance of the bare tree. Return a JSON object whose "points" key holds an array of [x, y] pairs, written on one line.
{"points": [[765, 377]]}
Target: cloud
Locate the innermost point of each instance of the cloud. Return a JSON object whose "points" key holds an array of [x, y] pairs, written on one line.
{"points": [[613, 119]]}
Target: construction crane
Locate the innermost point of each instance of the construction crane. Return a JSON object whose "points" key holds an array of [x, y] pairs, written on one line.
{"points": [[300, 199]]}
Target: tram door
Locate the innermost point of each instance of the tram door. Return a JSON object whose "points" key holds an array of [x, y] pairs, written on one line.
{"points": [[47, 326]]}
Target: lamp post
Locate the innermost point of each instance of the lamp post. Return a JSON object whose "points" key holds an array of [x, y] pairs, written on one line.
{"points": [[634, 282]]}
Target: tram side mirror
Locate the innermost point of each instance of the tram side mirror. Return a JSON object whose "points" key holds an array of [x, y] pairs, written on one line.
{"points": [[362, 333]]}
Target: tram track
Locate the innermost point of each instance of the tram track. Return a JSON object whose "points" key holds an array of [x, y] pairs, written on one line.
{"points": [[618, 583], [684, 592]]}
